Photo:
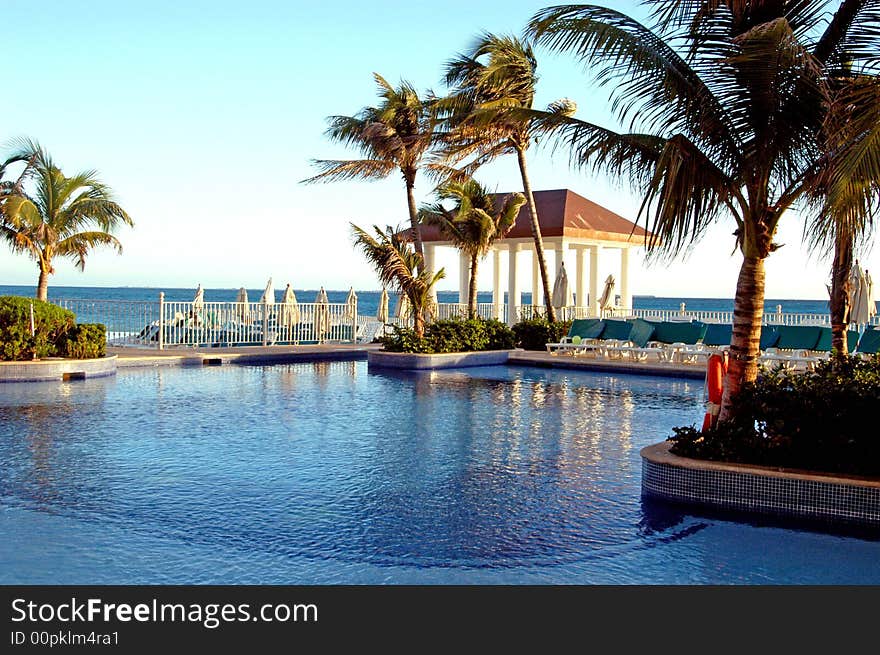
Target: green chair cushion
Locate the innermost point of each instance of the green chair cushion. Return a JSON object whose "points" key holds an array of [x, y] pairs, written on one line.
{"points": [[870, 342], [642, 332], [769, 336], [679, 332], [594, 330], [798, 337], [580, 326], [718, 334], [617, 330], [824, 344]]}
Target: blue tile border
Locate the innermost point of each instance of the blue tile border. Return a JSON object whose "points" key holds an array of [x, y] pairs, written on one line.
{"points": [[759, 489]]}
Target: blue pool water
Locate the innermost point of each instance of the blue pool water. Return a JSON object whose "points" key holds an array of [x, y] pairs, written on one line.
{"points": [[333, 473]]}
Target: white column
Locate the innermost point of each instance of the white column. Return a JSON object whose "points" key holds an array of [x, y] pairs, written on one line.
{"points": [[430, 251], [430, 254], [594, 280], [497, 295], [581, 278], [513, 295], [537, 299], [625, 295], [560, 256], [464, 266]]}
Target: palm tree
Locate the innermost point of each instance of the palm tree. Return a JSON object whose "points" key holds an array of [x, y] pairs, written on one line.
{"points": [[847, 186], [401, 267], [395, 136], [474, 224], [492, 85], [49, 215], [725, 103]]}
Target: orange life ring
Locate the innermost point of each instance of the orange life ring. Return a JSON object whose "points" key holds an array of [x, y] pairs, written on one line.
{"points": [[715, 372]]}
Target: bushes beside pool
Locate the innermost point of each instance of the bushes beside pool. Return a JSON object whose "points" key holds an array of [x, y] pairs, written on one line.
{"points": [[451, 336], [821, 420], [56, 333]]}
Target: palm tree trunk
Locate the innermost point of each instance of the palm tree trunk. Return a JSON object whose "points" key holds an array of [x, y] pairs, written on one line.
{"points": [[748, 313], [414, 219], [418, 320], [472, 289], [840, 308], [43, 285], [536, 233]]}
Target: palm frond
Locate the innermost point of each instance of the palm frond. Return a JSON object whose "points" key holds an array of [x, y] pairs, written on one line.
{"points": [[78, 245], [354, 169], [653, 88]]}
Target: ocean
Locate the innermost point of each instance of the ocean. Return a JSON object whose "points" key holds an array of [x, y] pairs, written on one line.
{"points": [[368, 301]]}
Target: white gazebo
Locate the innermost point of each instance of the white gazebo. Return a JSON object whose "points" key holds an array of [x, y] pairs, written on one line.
{"points": [[568, 221]]}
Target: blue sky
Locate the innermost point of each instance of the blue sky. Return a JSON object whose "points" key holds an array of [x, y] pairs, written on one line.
{"points": [[203, 117]]}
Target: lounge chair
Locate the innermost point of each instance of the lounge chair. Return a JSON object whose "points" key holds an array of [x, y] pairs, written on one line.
{"points": [[582, 332], [794, 346], [613, 335], [635, 346], [869, 344], [769, 337], [823, 346], [674, 340], [715, 340]]}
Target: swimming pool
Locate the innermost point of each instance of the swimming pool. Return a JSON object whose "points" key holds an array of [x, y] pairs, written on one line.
{"points": [[333, 473]]}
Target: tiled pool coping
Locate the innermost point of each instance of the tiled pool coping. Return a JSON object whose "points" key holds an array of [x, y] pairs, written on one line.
{"points": [[57, 369], [760, 489], [416, 361]]}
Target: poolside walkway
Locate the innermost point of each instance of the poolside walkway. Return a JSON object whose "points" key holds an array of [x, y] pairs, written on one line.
{"points": [[128, 357], [131, 357], [595, 363]]}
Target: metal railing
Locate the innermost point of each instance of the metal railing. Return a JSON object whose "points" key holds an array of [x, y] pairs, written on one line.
{"points": [[161, 323], [125, 320], [165, 324], [446, 310]]}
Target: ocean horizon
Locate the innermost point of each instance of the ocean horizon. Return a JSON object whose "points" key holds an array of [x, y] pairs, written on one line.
{"points": [[368, 299]]}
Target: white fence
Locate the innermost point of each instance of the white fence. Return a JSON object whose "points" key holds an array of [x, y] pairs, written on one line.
{"points": [[213, 324], [161, 324]]}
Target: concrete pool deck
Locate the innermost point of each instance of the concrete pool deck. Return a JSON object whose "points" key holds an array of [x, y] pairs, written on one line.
{"points": [[602, 364], [128, 357]]}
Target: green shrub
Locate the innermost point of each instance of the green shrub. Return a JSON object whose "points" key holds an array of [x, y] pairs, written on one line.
{"points": [[819, 420], [536, 333], [85, 341], [51, 323], [452, 336], [500, 336]]}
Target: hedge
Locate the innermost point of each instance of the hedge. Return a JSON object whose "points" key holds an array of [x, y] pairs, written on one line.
{"points": [[820, 420], [51, 323], [56, 333], [452, 335], [85, 341], [536, 333]]}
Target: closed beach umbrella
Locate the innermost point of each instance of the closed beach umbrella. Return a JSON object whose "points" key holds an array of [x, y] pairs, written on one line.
{"points": [[198, 306], [289, 308], [606, 299], [869, 292], [322, 313], [350, 305], [860, 312], [268, 296], [401, 309], [561, 296], [242, 309], [382, 312], [199, 299]]}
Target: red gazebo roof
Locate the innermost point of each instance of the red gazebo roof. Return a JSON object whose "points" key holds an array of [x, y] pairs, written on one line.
{"points": [[564, 213]]}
